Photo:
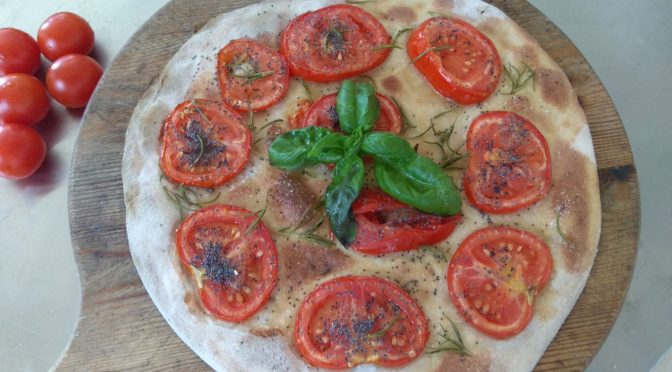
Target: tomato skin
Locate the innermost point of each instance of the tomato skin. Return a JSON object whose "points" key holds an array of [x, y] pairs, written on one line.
{"points": [[346, 311], [509, 166], [350, 54], [449, 72], [258, 94], [227, 144], [323, 114], [240, 267], [23, 99], [495, 276], [72, 79], [64, 33], [18, 52], [386, 225], [22, 151]]}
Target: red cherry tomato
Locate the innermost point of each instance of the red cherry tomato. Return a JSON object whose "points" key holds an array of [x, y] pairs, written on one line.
{"points": [[22, 151], [18, 52], [509, 164], [23, 99], [495, 276], [72, 79], [64, 33], [385, 225], [354, 320], [235, 269], [334, 43], [204, 143], [456, 59], [251, 76]]}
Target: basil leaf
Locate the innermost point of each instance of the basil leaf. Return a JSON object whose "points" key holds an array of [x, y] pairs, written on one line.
{"points": [[357, 106], [328, 150], [348, 176], [387, 147], [289, 151], [420, 183]]}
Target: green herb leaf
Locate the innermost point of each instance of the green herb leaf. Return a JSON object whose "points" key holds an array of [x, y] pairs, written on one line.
{"points": [[420, 183], [345, 186], [289, 151], [357, 106], [387, 146], [328, 150]]}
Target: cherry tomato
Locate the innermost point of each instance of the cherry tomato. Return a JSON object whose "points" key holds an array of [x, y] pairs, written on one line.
{"points": [[204, 143], [509, 164], [251, 76], [64, 33], [354, 320], [72, 79], [235, 269], [385, 225], [23, 99], [495, 276], [323, 114], [18, 52], [456, 59], [334, 43], [22, 151]]}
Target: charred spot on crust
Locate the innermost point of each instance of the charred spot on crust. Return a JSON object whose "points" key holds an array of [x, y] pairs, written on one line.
{"points": [[392, 84], [401, 13]]}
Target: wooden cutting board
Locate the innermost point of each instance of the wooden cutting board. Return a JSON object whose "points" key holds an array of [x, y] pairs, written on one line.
{"points": [[121, 329]]}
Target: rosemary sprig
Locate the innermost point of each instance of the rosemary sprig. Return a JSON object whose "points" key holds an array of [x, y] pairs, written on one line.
{"points": [[268, 125], [519, 78], [407, 122], [436, 14], [250, 118], [386, 328], [199, 111], [260, 214], [559, 228], [247, 71], [309, 94], [432, 125], [309, 232], [454, 344], [257, 75], [437, 253], [393, 44], [185, 198], [432, 49], [201, 147]]}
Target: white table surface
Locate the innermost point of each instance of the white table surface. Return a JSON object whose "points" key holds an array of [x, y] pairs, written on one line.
{"points": [[628, 43]]}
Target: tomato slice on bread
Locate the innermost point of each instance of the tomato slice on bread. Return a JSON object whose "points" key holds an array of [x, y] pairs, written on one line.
{"points": [[509, 164], [353, 320], [386, 225], [495, 276], [456, 59], [323, 114], [251, 75], [204, 143], [235, 265], [334, 43]]}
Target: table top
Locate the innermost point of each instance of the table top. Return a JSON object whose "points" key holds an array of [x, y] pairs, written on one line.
{"points": [[38, 325]]}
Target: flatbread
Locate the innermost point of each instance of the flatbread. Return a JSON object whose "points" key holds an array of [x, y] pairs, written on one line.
{"points": [[265, 342]]}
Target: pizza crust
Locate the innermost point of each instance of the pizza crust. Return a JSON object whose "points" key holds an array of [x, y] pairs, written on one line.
{"points": [[265, 342]]}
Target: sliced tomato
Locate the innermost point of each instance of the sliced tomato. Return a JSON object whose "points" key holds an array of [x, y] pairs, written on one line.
{"points": [[386, 225], [354, 320], [334, 43], [235, 265], [456, 59], [323, 114], [299, 116], [495, 276], [251, 76], [204, 143], [509, 164]]}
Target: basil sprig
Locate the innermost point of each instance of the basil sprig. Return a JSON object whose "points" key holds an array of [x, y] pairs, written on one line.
{"points": [[400, 171]]}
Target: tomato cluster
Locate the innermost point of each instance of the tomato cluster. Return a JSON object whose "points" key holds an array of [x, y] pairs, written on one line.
{"points": [[65, 39]]}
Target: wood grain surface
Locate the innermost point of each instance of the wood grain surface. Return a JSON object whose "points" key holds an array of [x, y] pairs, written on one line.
{"points": [[121, 329]]}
